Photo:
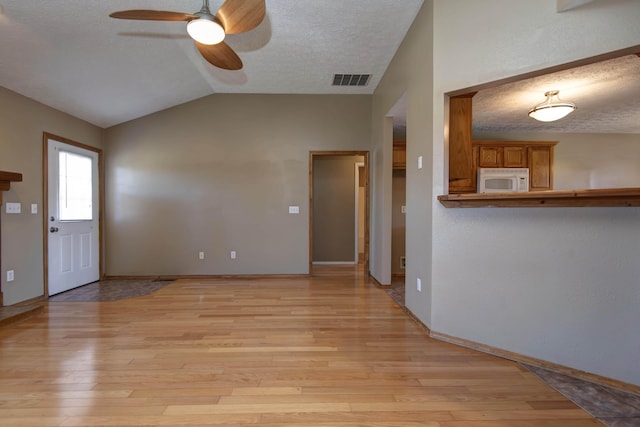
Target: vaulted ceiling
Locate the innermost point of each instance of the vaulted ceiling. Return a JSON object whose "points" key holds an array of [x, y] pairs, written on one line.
{"points": [[70, 55]]}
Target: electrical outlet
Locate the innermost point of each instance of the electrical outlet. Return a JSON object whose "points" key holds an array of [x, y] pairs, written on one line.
{"points": [[10, 276], [403, 262], [233, 254], [201, 255], [13, 208], [419, 284]]}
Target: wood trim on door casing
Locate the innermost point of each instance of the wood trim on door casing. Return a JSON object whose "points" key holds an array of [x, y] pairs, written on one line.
{"points": [[364, 154]]}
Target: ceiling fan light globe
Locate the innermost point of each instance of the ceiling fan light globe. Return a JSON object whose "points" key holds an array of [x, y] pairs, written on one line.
{"points": [[205, 31]]}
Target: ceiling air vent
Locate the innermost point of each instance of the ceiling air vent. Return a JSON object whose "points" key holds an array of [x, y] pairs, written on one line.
{"points": [[351, 79]]}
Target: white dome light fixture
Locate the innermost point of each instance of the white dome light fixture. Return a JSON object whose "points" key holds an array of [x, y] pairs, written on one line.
{"points": [[552, 108], [206, 30]]}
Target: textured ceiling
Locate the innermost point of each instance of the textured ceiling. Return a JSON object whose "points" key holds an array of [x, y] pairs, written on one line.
{"points": [[607, 95], [70, 55]]}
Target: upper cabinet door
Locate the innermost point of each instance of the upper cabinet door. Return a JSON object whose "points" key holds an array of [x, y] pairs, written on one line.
{"points": [[540, 168], [490, 157], [515, 157]]}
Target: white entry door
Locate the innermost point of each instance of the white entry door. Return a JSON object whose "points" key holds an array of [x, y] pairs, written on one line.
{"points": [[73, 225]]}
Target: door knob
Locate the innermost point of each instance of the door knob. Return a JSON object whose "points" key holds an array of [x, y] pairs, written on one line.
{"points": [[53, 229]]}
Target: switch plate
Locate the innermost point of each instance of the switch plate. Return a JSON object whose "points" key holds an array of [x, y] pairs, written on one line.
{"points": [[34, 208], [10, 276], [233, 254], [294, 209], [200, 255], [419, 162], [419, 284], [13, 208], [403, 209]]}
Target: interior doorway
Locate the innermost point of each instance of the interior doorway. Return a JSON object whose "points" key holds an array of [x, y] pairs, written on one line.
{"points": [[339, 208], [398, 197], [360, 212], [71, 221]]}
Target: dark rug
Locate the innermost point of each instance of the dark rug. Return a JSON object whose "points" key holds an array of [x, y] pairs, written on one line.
{"points": [[110, 290], [612, 407]]}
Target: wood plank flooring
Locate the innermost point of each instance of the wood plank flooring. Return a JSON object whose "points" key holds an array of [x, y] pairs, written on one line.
{"points": [[332, 350]]}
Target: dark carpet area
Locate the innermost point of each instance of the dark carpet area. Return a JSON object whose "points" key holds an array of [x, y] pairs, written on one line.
{"points": [[110, 290]]}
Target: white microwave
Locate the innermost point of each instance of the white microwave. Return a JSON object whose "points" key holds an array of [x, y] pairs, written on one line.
{"points": [[503, 180]]}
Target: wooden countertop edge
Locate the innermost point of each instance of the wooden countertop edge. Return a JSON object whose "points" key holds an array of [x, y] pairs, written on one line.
{"points": [[10, 176], [606, 197], [6, 178]]}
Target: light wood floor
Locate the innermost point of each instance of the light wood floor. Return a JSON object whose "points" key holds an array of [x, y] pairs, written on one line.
{"points": [[331, 350]]}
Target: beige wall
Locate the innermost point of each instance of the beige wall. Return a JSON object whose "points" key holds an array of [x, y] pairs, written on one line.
{"points": [[587, 161], [218, 174], [555, 284], [334, 208], [410, 73], [547, 283], [22, 123]]}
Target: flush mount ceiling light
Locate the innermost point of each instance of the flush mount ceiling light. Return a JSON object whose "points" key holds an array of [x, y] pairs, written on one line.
{"points": [[552, 108]]}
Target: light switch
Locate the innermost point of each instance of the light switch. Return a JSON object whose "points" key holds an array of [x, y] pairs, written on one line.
{"points": [[13, 208], [294, 209], [34, 208], [419, 162], [403, 209]]}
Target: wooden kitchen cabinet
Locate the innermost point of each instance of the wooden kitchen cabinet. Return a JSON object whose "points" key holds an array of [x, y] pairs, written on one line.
{"points": [[490, 157], [540, 168], [399, 154], [502, 157], [462, 156], [514, 157], [535, 155], [466, 156]]}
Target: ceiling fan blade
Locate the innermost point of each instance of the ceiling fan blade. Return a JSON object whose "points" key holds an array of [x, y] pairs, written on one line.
{"points": [[220, 55], [238, 16], [152, 15]]}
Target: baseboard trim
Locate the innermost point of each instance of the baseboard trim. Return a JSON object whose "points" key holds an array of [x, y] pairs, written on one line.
{"points": [[520, 358], [31, 301], [334, 263], [516, 357], [376, 282], [22, 312], [422, 326], [207, 277]]}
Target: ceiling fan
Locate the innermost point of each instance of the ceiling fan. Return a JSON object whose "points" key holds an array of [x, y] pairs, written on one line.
{"points": [[207, 30]]}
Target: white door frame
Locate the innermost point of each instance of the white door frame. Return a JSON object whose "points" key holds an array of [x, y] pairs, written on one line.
{"points": [[45, 202]]}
